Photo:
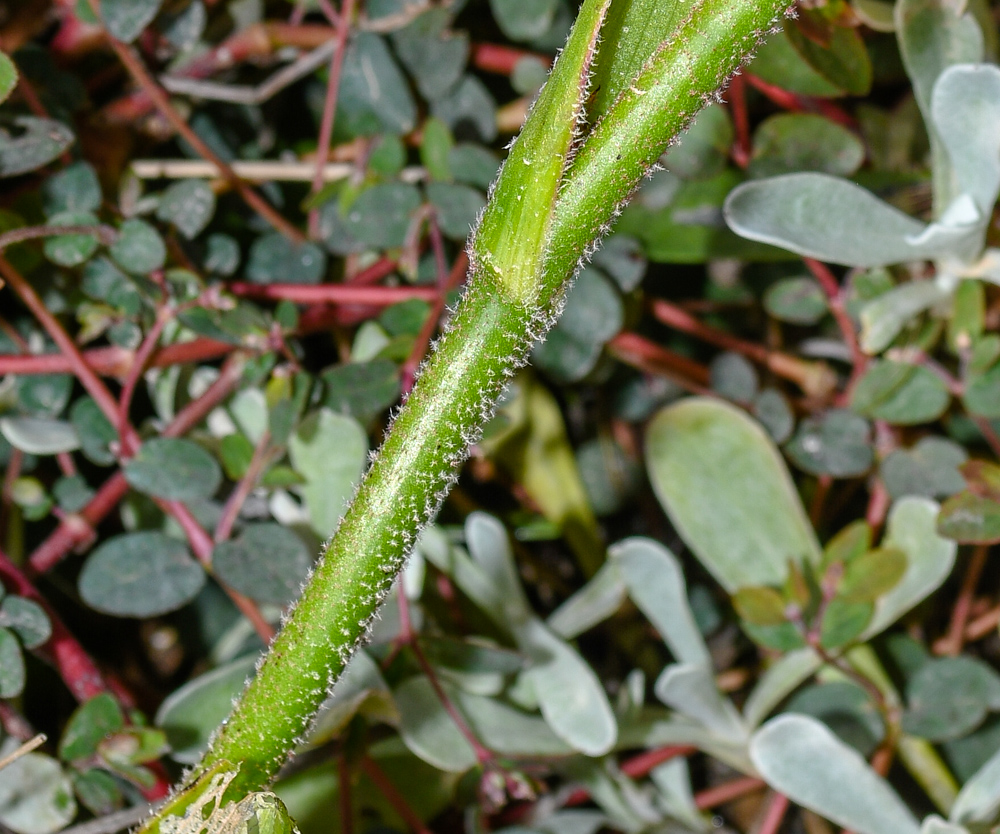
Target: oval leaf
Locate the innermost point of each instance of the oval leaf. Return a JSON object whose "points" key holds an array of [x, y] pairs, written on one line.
{"points": [[728, 493], [266, 562], [799, 757], [174, 469], [140, 575]]}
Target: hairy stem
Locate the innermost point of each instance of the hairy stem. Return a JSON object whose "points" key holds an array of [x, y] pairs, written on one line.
{"points": [[544, 216]]}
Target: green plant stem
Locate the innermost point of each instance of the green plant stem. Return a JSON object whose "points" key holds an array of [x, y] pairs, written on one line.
{"points": [[512, 290]]}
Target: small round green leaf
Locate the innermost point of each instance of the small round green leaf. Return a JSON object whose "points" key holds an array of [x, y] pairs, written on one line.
{"points": [[361, 389], [27, 619], [39, 435], [140, 575], [94, 430], [71, 250], [457, 207], [949, 697], [189, 205], [775, 414], [796, 300], [99, 792], [836, 443], [11, 666], [733, 377], [274, 259], [869, 576], [38, 143], [36, 797], [790, 142], [843, 621], [174, 469], [901, 394], [381, 215], [139, 248], [930, 469], [473, 164], [982, 393], [222, 255], [524, 20], [44, 395], [88, 726], [75, 188], [266, 562], [846, 709], [970, 519], [760, 605], [374, 94]]}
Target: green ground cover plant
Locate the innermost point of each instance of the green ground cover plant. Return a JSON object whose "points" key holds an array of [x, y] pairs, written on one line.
{"points": [[698, 519]]}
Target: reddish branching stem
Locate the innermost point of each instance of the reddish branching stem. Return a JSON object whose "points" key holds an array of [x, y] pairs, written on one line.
{"points": [[137, 69]]}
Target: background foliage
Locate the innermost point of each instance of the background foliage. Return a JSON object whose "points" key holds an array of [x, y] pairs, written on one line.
{"points": [[767, 606]]}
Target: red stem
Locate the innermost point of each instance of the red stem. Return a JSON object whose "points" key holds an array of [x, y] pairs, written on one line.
{"points": [[78, 528], [394, 797], [641, 353], [331, 293], [955, 639], [330, 108], [236, 499], [737, 97], [727, 792], [774, 815]]}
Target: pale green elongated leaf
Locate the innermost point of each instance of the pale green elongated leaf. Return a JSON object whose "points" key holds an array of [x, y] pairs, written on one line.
{"points": [[965, 106], [536, 451], [189, 715], [673, 781], [656, 585], [979, 799], [509, 240], [39, 435], [8, 77], [429, 732], [601, 597], [490, 548], [570, 696], [799, 757], [36, 797], [824, 217], [690, 689], [659, 728], [780, 679], [885, 316], [929, 559], [329, 451], [728, 492], [38, 142], [932, 35]]}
